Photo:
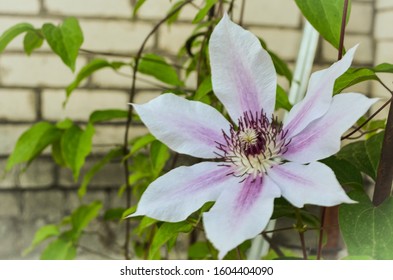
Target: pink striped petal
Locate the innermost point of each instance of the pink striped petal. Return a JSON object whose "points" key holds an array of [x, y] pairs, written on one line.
{"points": [[182, 191], [187, 127], [240, 213], [322, 138], [243, 74], [318, 97], [308, 184]]}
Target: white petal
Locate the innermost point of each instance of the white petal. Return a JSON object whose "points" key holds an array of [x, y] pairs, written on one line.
{"points": [[180, 192], [188, 127], [308, 184], [240, 213], [322, 138], [318, 97], [243, 74]]}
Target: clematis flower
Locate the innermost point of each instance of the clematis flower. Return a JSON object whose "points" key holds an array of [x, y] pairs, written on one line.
{"points": [[254, 158]]}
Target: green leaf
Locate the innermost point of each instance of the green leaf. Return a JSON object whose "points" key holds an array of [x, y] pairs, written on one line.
{"points": [[59, 250], [57, 153], [204, 88], [356, 154], [145, 223], [137, 6], [32, 40], [141, 142], [65, 124], [83, 215], [203, 12], [159, 154], [282, 100], [325, 16], [165, 233], [107, 115], [156, 66], [65, 40], [90, 68], [175, 16], [199, 251], [384, 68], [373, 149], [76, 145], [280, 66], [41, 235], [367, 230], [114, 214], [13, 32], [32, 142], [347, 174], [352, 77], [96, 168]]}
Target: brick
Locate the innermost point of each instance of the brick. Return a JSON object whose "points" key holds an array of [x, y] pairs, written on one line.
{"points": [[110, 176], [12, 133], [383, 4], [107, 136], [20, 6], [47, 205], [361, 19], [99, 8], [72, 200], [115, 36], [18, 105], [272, 13], [145, 96], [81, 103], [384, 52], [10, 242], [154, 9], [277, 38], [173, 38], [46, 170], [383, 21], [364, 53], [109, 78], [37, 70], [9, 204], [27, 178]]}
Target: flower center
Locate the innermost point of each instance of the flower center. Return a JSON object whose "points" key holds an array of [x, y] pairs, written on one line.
{"points": [[254, 146]]}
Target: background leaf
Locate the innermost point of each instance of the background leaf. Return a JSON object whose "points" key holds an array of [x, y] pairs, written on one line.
{"points": [[65, 40], [32, 142], [282, 100], [107, 115], [90, 68], [165, 233], [156, 66], [42, 234], [364, 155], [32, 40], [76, 145], [59, 249], [203, 12], [367, 230], [325, 16], [12, 32]]}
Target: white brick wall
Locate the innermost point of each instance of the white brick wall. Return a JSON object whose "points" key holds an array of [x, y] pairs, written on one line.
{"points": [[37, 70], [19, 6], [81, 103], [17, 105], [104, 8]]}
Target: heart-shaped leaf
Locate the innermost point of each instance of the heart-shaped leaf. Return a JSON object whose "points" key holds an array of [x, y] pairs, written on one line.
{"points": [[65, 40], [366, 229]]}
